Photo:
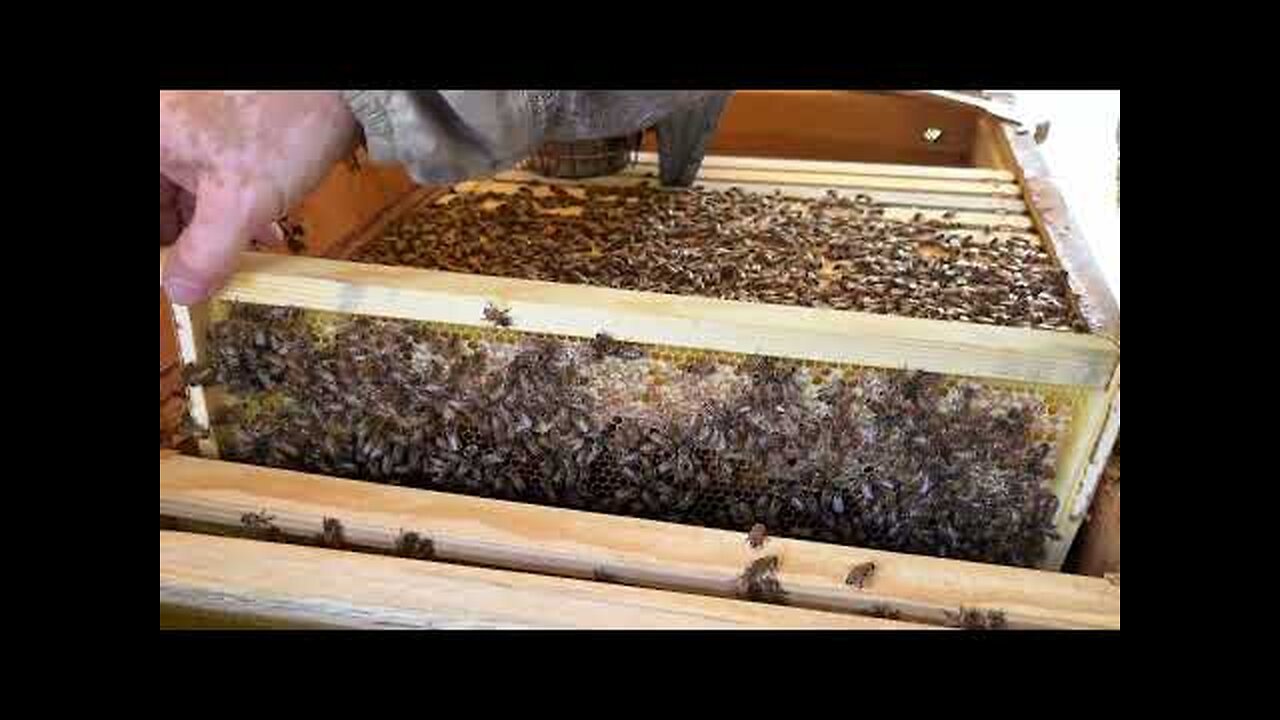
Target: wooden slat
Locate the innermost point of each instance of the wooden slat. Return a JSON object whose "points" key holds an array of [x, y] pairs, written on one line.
{"points": [[1076, 481], [634, 551], [988, 152], [691, 322], [943, 201], [170, 372], [507, 183], [841, 180], [191, 324], [649, 159], [310, 586]]}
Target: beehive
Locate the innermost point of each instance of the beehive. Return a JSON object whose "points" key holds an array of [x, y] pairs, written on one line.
{"points": [[843, 419], [913, 448]]}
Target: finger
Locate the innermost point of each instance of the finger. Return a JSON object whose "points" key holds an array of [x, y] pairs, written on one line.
{"points": [[208, 248], [186, 207], [170, 221]]}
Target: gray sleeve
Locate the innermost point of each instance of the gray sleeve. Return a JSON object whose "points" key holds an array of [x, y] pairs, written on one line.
{"points": [[444, 136]]}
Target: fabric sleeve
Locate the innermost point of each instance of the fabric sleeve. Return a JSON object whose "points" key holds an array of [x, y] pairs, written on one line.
{"points": [[444, 136]]}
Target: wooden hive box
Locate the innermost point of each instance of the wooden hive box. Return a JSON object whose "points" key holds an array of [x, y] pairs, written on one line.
{"points": [[973, 171]]}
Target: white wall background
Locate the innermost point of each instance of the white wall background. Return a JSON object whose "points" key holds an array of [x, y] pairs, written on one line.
{"points": [[1081, 152]]}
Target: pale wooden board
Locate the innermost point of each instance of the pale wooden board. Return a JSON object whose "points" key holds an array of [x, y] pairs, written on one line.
{"points": [[191, 324], [982, 204], [1074, 484], [842, 180], [639, 552], [328, 587], [865, 339], [650, 159], [1087, 452]]}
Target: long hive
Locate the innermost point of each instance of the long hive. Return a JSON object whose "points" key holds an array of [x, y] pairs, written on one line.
{"points": [[956, 439]]}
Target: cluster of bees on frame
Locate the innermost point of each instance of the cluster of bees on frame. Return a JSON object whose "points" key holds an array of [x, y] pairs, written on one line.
{"points": [[893, 460], [837, 251]]}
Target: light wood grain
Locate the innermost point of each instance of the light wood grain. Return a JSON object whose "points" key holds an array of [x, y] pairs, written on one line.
{"points": [[729, 326], [978, 204], [310, 586], [842, 180], [634, 551], [1076, 480], [989, 150], [648, 159], [191, 323]]}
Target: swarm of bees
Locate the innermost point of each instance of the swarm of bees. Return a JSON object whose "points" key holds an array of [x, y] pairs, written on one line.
{"points": [[835, 251], [893, 460]]}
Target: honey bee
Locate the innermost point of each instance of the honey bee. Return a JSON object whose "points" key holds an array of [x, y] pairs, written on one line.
{"points": [[759, 580], [884, 610], [259, 524], [701, 367], [331, 534], [860, 574], [604, 345], [975, 619], [412, 545], [497, 316]]}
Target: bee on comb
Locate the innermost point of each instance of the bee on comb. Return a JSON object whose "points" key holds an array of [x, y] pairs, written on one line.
{"points": [[497, 316]]}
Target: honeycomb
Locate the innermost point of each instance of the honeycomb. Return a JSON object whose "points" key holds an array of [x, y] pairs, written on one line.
{"points": [[888, 459]]}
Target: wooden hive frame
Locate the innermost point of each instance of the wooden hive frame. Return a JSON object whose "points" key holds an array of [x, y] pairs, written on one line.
{"points": [[1007, 188]]}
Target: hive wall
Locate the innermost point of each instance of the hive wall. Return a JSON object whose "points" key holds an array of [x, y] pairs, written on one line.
{"points": [[906, 461]]}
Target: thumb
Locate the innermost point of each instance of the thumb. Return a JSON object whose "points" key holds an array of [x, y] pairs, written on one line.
{"points": [[207, 251]]}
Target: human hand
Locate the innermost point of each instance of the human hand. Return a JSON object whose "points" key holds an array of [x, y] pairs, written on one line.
{"points": [[230, 164]]}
